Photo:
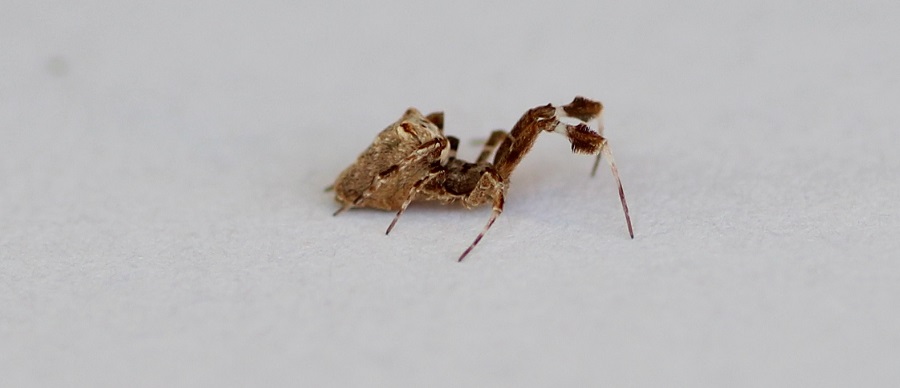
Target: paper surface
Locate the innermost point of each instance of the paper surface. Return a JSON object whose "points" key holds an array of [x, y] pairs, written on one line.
{"points": [[163, 220]]}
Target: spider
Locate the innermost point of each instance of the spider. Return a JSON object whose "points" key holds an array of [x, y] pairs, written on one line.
{"points": [[413, 159]]}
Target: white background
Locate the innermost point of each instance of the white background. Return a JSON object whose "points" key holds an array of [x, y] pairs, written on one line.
{"points": [[163, 223]]}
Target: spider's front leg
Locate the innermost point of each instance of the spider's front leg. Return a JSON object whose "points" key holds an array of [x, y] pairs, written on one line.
{"points": [[498, 208], [587, 141], [583, 139], [586, 111], [492, 187]]}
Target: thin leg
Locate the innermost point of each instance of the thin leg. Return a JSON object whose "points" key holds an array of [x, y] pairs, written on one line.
{"points": [[615, 171], [426, 149], [498, 208], [342, 209], [412, 194], [493, 141]]}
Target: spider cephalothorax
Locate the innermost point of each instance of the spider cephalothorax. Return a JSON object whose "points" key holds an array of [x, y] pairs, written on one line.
{"points": [[412, 159]]}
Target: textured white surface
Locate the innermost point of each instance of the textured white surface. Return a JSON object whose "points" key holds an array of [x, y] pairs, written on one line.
{"points": [[162, 220]]}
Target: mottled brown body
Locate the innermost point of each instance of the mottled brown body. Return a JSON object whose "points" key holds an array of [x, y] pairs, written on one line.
{"points": [[395, 143], [412, 159]]}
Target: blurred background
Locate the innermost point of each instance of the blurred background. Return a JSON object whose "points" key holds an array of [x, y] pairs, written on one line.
{"points": [[163, 220]]}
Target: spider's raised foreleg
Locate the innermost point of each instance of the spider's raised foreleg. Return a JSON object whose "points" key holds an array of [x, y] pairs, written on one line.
{"points": [[582, 109], [586, 141], [585, 110], [615, 171]]}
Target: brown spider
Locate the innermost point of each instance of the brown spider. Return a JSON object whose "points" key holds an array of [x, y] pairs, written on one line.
{"points": [[412, 159]]}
